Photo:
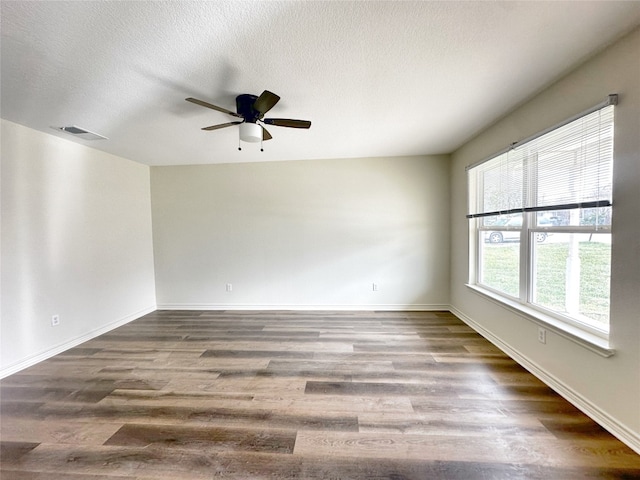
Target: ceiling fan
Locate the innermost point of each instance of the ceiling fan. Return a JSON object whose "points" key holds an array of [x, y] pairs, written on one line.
{"points": [[251, 110]]}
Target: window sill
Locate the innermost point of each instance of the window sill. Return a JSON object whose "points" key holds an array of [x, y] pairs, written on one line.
{"points": [[585, 339]]}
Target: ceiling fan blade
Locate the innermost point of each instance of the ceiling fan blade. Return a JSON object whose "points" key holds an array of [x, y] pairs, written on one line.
{"points": [[214, 107], [265, 102], [287, 122], [222, 125], [265, 134]]}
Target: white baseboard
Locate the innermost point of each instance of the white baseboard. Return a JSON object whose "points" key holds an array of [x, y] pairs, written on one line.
{"points": [[617, 429], [300, 307], [39, 357]]}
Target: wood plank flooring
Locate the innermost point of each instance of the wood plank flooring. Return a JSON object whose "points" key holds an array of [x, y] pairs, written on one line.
{"points": [[295, 395]]}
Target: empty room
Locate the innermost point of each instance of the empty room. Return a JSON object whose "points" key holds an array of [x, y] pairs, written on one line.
{"points": [[319, 240]]}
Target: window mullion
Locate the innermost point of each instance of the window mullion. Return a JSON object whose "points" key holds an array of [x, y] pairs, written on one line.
{"points": [[529, 195], [524, 255]]}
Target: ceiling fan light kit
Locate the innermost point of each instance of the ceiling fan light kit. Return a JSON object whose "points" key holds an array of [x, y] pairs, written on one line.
{"points": [[252, 109], [250, 132]]}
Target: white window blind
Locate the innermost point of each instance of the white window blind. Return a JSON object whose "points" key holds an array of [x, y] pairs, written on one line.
{"points": [[566, 167]]}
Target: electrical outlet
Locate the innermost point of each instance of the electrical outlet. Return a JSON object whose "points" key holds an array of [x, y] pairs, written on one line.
{"points": [[542, 335], [374, 287], [55, 320], [229, 287]]}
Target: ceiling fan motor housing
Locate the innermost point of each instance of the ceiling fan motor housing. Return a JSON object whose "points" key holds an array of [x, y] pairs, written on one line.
{"points": [[244, 106]]}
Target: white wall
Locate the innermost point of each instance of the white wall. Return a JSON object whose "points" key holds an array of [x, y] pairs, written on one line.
{"points": [[607, 388], [76, 242], [312, 234]]}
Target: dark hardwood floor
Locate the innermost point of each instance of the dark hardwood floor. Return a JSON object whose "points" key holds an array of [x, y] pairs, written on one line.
{"points": [[295, 395]]}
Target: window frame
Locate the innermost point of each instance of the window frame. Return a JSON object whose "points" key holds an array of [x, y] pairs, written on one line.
{"points": [[526, 255], [586, 332]]}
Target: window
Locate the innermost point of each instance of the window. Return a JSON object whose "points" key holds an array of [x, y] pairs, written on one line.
{"points": [[540, 219]]}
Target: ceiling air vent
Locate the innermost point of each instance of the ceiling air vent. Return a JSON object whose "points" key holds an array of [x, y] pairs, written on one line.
{"points": [[81, 133]]}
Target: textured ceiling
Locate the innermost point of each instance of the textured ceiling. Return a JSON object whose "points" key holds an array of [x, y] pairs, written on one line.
{"points": [[375, 78]]}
